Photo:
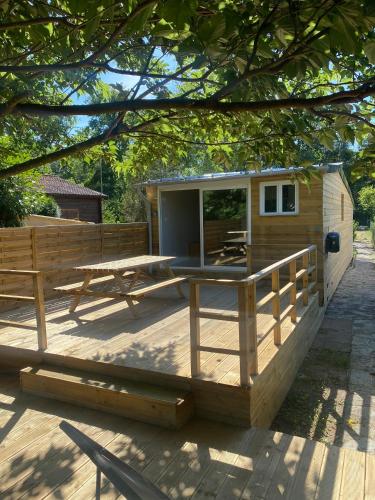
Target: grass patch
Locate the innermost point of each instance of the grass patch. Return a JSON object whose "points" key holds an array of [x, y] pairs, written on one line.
{"points": [[363, 236]]}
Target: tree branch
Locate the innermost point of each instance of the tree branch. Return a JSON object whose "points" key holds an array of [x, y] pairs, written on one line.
{"points": [[114, 130], [335, 99]]}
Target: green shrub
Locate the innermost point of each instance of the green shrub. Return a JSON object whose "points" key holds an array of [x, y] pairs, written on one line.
{"points": [[12, 204], [19, 197], [366, 200], [41, 204], [355, 229]]}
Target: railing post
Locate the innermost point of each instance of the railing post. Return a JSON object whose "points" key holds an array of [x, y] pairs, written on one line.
{"points": [[253, 338], [293, 290], [195, 360], [249, 257], [243, 330], [34, 254], [315, 272], [40, 311], [276, 306], [305, 279]]}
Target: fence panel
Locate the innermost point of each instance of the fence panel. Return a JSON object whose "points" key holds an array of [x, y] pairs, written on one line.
{"points": [[56, 249]]}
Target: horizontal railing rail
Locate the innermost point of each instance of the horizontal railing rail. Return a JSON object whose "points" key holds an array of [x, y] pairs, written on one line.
{"points": [[37, 298], [129, 482], [248, 307]]}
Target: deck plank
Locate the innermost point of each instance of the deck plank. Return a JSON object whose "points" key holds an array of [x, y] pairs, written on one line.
{"points": [[201, 460]]}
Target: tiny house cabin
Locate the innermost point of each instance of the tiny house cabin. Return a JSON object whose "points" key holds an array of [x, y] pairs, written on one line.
{"points": [[244, 221]]}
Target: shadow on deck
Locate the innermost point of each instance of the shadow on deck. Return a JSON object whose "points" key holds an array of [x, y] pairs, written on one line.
{"points": [[203, 459], [102, 337]]}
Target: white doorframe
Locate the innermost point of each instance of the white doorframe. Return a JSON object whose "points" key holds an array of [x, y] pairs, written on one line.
{"points": [[201, 187]]}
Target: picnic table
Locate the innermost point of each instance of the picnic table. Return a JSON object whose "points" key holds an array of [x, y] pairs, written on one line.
{"points": [[124, 274], [237, 243]]}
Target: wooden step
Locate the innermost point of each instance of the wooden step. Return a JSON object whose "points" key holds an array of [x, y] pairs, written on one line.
{"points": [[148, 403]]}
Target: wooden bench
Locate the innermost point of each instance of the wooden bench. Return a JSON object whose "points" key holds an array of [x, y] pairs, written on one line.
{"points": [[73, 287], [123, 292], [141, 292]]}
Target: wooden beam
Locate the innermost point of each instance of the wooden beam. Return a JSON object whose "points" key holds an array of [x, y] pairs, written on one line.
{"points": [[219, 350], [276, 306], [194, 330], [218, 315], [305, 280], [40, 311], [18, 272], [22, 298], [265, 300], [293, 291], [243, 331], [253, 338], [281, 263]]}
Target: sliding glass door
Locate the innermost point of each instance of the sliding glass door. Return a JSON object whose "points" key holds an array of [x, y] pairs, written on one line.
{"points": [[205, 227], [224, 231]]}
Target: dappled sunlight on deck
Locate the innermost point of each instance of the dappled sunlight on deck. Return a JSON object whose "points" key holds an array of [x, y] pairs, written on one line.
{"points": [[203, 459], [158, 339]]}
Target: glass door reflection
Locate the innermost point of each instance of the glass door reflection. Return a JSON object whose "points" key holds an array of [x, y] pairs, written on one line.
{"points": [[225, 227]]}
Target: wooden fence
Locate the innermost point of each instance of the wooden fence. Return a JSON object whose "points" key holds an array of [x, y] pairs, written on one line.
{"points": [[56, 249], [249, 306]]}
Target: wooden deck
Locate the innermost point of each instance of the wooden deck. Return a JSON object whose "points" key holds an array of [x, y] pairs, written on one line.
{"points": [[158, 340], [202, 460]]}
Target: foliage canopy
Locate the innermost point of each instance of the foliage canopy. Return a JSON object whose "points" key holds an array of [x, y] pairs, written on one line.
{"points": [[366, 200], [244, 79]]}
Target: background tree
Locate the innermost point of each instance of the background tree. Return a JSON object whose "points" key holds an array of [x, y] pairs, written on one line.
{"points": [[366, 200], [21, 196], [242, 79]]}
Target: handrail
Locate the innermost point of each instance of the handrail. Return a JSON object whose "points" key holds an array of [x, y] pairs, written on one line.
{"points": [[130, 483], [281, 263], [38, 298], [256, 276], [248, 308]]}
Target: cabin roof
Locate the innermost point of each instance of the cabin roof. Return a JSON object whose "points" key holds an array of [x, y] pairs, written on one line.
{"points": [[52, 184], [266, 172]]}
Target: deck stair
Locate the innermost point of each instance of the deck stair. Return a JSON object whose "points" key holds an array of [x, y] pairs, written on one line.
{"points": [[140, 401]]}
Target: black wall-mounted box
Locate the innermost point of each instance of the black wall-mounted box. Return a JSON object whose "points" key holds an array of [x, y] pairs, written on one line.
{"points": [[333, 242]]}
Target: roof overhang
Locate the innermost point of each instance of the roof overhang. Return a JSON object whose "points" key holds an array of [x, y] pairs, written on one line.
{"points": [[267, 172]]}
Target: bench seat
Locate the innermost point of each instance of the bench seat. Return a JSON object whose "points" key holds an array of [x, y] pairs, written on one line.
{"points": [[136, 294], [77, 286]]}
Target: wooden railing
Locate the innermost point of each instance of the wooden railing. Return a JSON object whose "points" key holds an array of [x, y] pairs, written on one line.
{"points": [[249, 307], [37, 298]]}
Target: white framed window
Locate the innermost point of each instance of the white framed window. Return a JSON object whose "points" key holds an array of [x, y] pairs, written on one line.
{"points": [[278, 198]]}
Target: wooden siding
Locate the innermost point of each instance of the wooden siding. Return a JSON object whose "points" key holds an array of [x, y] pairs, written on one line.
{"points": [[62, 247], [336, 203], [89, 207], [290, 232], [276, 236], [152, 196]]}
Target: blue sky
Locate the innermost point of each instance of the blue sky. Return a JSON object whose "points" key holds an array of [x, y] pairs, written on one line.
{"points": [[125, 80]]}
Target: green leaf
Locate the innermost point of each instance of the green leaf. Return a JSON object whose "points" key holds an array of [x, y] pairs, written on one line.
{"points": [[369, 49], [211, 29], [179, 13], [139, 20]]}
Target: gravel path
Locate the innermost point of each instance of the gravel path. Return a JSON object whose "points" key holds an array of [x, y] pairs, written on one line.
{"points": [[333, 396]]}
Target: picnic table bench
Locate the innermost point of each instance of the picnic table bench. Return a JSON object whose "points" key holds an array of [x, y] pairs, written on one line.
{"points": [[123, 275]]}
